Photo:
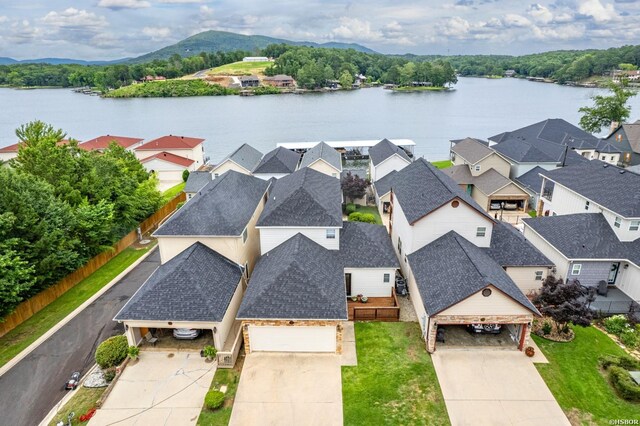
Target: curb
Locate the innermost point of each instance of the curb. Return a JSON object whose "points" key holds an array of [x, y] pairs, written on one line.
{"points": [[19, 357]]}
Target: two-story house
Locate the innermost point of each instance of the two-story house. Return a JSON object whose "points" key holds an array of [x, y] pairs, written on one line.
{"points": [[311, 262], [101, 143], [242, 160], [626, 138], [592, 232], [386, 157], [462, 266], [276, 164], [323, 159]]}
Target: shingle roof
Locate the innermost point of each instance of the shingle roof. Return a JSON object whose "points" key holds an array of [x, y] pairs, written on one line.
{"points": [[490, 182], [244, 156], [383, 185], [223, 207], [450, 269], [197, 181], [299, 279], [169, 157], [532, 179], [364, 245], [322, 151], [421, 188], [196, 285], [102, 142], [632, 130], [385, 149], [280, 160], [471, 150], [510, 248], [170, 142], [584, 236], [607, 185], [460, 174], [456, 141], [606, 147], [304, 198]]}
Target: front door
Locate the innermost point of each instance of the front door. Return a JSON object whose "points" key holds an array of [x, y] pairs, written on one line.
{"points": [[613, 272], [347, 281]]}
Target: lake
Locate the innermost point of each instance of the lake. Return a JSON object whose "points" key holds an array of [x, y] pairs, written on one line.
{"points": [[477, 107]]}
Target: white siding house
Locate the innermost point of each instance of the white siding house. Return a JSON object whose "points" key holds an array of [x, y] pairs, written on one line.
{"points": [[395, 162], [271, 237]]}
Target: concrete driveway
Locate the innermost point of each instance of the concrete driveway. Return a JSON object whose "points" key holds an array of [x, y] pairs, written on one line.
{"points": [[159, 389], [289, 389], [495, 387]]}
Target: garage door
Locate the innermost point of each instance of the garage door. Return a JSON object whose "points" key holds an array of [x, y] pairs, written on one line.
{"points": [[292, 339]]}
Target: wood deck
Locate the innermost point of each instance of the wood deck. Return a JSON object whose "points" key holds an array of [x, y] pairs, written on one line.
{"points": [[376, 309]]}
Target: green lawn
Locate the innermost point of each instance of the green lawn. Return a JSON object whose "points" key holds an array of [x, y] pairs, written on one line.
{"points": [[394, 382], [241, 68], [224, 376], [84, 400], [574, 377], [370, 209], [532, 213], [29, 331], [442, 164], [170, 193]]}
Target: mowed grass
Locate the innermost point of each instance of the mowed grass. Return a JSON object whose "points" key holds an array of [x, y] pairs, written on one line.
{"points": [[172, 192], [372, 210], [224, 376], [84, 400], [240, 68], [29, 331], [394, 382], [575, 379], [442, 164]]}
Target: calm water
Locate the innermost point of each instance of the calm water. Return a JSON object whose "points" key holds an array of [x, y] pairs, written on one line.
{"points": [[478, 108]]}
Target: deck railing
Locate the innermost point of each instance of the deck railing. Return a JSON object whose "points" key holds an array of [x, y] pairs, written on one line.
{"points": [[377, 313]]}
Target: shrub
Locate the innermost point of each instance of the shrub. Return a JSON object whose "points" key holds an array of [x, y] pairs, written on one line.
{"points": [[629, 338], [624, 384], [625, 362], [133, 352], [185, 175], [214, 399], [616, 324], [546, 328], [209, 352], [109, 374], [350, 208], [112, 351], [362, 217]]}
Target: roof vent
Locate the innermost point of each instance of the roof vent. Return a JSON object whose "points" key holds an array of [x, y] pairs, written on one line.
{"points": [[622, 172], [605, 166]]}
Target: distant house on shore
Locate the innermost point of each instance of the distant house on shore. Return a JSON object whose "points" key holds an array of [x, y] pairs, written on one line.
{"points": [[249, 81], [280, 80], [102, 142], [510, 73], [153, 78], [255, 59], [11, 151]]}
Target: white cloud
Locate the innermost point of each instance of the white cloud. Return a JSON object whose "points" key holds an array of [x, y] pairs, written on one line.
{"points": [[539, 13], [157, 33], [180, 1], [514, 20], [73, 18], [598, 11], [124, 4], [564, 32], [3, 19], [355, 29], [455, 27]]}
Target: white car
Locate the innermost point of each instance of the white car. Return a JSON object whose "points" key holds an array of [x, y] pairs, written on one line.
{"points": [[485, 328], [185, 333]]}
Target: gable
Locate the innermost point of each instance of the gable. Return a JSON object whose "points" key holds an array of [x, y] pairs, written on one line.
{"points": [[511, 189], [227, 165], [498, 303], [394, 158]]}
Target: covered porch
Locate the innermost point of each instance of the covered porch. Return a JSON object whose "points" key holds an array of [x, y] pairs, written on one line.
{"points": [[374, 309], [615, 302]]}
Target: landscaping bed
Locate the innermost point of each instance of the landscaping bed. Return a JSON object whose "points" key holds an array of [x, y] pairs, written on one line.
{"points": [[229, 377], [577, 380], [364, 210], [81, 403], [394, 382], [547, 329]]}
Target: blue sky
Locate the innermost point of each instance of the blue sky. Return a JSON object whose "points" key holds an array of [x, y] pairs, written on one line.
{"points": [[110, 29]]}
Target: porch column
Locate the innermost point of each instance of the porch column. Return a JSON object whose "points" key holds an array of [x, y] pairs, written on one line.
{"points": [[525, 333], [431, 336]]}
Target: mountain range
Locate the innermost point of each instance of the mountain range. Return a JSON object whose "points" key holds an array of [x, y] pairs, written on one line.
{"points": [[207, 41]]}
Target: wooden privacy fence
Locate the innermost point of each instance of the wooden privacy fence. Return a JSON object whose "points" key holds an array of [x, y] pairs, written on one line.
{"points": [[29, 307]]}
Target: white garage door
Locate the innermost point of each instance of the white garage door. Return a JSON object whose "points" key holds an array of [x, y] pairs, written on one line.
{"points": [[292, 339]]}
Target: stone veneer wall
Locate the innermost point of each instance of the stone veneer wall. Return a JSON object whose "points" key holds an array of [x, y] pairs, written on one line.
{"points": [[291, 323]]}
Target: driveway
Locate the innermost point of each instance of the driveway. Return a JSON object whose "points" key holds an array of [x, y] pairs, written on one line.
{"points": [[289, 389], [161, 388], [30, 389], [495, 387]]}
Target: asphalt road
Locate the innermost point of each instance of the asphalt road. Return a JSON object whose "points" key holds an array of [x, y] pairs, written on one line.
{"points": [[35, 385]]}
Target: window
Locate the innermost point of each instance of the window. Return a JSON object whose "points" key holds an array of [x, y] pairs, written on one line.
{"points": [[244, 235], [538, 275], [477, 167], [575, 268], [331, 234], [481, 231], [634, 225], [613, 158], [215, 175], [586, 205], [387, 278], [617, 222], [335, 175], [399, 246]]}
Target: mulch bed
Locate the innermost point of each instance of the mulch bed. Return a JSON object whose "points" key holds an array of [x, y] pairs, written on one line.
{"points": [[555, 335]]}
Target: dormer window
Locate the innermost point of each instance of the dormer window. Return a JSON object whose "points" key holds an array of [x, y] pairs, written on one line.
{"points": [[586, 205], [617, 222], [477, 167], [481, 231], [634, 225], [331, 234]]}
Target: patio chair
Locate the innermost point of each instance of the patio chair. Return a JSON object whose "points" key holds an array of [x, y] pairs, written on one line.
{"points": [[603, 288], [150, 339]]}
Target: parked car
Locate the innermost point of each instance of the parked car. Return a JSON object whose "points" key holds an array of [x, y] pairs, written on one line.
{"points": [[73, 382], [185, 333], [511, 206], [485, 328], [494, 206]]}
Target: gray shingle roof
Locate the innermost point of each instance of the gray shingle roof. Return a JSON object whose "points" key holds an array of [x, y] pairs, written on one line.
{"points": [[364, 245], [584, 236], [450, 269], [385, 149], [280, 160], [322, 151], [304, 198], [510, 248], [383, 185], [460, 174], [490, 182], [223, 207], [456, 141], [532, 179], [299, 279], [421, 188], [471, 150], [607, 185], [245, 156], [196, 285], [197, 181]]}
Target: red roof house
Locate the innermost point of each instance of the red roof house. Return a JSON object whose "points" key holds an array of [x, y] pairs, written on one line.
{"points": [[102, 142], [170, 142], [168, 157]]}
